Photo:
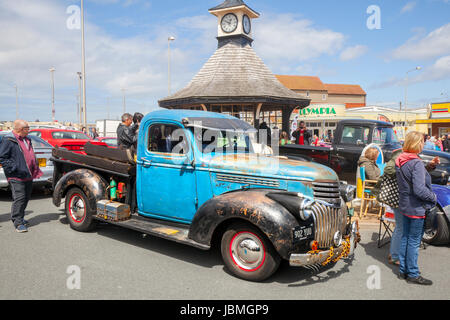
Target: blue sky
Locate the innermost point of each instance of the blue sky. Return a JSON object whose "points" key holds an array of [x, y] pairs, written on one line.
{"points": [[126, 47]]}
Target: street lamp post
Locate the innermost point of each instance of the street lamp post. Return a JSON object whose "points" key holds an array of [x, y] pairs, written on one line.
{"points": [[80, 104], [83, 66], [168, 64], [52, 71], [406, 89]]}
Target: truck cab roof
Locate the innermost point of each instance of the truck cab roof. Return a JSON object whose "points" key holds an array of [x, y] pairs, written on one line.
{"points": [[179, 115], [365, 121]]}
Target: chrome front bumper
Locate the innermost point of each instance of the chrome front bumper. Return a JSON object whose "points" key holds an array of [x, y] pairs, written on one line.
{"points": [[307, 259]]}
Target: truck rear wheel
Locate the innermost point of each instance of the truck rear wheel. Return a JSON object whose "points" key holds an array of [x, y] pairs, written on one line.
{"points": [[78, 211], [247, 253]]}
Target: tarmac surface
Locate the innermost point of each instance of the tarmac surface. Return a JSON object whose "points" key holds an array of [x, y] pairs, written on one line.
{"points": [[52, 261]]}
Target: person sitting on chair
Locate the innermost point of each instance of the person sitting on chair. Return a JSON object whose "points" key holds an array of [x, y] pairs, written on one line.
{"points": [[368, 161]]}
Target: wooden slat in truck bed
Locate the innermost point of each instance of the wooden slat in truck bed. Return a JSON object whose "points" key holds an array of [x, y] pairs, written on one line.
{"points": [[95, 161]]}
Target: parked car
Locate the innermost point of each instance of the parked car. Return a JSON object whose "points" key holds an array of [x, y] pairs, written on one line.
{"points": [[110, 141], [72, 140], [43, 151], [437, 230]]}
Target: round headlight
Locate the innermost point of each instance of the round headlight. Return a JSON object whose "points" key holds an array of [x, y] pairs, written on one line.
{"points": [[305, 208]]}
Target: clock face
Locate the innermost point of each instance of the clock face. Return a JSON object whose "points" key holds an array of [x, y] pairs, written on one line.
{"points": [[246, 23], [229, 22]]}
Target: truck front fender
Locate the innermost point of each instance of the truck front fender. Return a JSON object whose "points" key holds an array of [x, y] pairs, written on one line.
{"points": [[274, 220], [92, 184]]}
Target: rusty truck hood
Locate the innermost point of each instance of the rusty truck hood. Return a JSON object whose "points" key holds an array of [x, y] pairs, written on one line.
{"points": [[269, 166]]}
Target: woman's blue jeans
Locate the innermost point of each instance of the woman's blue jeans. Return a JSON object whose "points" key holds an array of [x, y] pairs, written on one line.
{"points": [[396, 239], [409, 248]]}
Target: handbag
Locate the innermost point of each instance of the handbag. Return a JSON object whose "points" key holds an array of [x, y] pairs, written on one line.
{"points": [[389, 191]]}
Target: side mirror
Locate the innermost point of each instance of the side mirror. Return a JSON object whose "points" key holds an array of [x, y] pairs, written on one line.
{"points": [[359, 142]]}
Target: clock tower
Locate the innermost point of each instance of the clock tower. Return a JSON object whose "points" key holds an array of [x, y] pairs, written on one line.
{"points": [[234, 21]]}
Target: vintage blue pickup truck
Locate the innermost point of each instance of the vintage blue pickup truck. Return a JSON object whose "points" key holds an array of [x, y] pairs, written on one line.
{"points": [[196, 180]]}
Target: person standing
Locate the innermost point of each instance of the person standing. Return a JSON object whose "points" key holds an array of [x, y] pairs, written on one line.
{"points": [[301, 134], [125, 138], [20, 167], [94, 134], [415, 198], [445, 143]]}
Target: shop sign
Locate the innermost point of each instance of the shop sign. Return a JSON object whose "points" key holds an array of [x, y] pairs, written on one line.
{"points": [[318, 111], [440, 110]]}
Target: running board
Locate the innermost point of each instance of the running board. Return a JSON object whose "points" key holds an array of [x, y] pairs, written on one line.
{"points": [[157, 228]]}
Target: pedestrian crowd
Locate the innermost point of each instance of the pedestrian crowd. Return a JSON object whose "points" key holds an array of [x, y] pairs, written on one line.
{"points": [[436, 143]]}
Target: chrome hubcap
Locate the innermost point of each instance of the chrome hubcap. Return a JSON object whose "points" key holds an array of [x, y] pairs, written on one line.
{"points": [[247, 251], [77, 209]]}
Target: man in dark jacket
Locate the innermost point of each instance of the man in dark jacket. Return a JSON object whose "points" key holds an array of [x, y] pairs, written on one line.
{"points": [[446, 143], [20, 167], [125, 137]]}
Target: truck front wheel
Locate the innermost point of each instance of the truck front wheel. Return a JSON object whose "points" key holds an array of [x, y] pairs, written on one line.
{"points": [[248, 254], [78, 211]]}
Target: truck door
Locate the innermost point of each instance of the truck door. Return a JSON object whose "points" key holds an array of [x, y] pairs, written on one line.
{"points": [[166, 184], [348, 150]]}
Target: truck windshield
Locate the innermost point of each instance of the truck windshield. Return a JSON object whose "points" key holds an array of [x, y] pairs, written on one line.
{"points": [[384, 135], [214, 141]]}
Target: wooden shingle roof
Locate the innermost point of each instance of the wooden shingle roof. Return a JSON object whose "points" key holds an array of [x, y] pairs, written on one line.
{"points": [[234, 74]]}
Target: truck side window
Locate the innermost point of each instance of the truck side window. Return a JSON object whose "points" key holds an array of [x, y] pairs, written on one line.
{"points": [[166, 138], [353, 134]]}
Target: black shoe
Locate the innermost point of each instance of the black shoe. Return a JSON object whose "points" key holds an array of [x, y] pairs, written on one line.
{"points": [[401, 276], [419, 280]]}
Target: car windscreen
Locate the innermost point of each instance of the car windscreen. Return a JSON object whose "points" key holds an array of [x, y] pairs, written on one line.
{"points": [[38, 143], [384, 135], [224, 141], [69, 135]]}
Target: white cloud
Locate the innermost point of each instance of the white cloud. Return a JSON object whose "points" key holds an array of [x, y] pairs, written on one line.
{"points": [[354, 52], [433, 45], [408, 7], [438, 71], [284, 38]]}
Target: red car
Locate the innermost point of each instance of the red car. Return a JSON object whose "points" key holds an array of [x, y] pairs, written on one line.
{"points": [[72, 140]]}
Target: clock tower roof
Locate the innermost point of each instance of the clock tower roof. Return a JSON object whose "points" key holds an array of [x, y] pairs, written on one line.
{"points": [[234, 4]]}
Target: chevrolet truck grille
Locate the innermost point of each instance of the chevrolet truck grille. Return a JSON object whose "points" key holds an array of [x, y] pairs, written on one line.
{"points": [[327, 191], [327, 220], [248, 180]]}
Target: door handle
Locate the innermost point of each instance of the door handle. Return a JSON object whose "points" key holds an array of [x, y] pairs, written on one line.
{"points": [[146, 163]]}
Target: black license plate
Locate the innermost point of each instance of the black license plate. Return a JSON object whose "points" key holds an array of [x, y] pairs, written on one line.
{"points": [[301, 233]]}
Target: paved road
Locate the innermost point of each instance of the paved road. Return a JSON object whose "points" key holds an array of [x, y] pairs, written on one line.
{"points": [[51, 260]]}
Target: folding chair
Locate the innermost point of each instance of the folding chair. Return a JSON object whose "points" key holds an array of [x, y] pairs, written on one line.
{"points": [[367, 196], [387, 222]]}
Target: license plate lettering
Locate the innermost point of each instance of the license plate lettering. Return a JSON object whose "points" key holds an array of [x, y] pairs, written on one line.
{"points": [[303, 233]]}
